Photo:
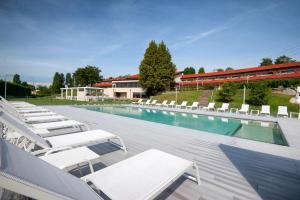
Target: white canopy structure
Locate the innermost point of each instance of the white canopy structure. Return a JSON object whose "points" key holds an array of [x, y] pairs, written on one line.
{"points": [[82, 93]]}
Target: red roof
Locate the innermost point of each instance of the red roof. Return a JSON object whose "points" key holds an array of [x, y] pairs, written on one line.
{"points": [[243, 79], [236, 71], [103, 84]]}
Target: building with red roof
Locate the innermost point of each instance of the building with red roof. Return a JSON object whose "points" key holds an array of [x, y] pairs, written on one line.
{"points": [[276, 71]]}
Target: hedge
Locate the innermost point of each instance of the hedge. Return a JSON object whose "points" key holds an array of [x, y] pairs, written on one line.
{"points": [[14, 90]]}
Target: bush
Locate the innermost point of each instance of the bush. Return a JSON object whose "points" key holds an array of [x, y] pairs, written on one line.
{"points": [[227, 92], [258, 94], [13, 89]]}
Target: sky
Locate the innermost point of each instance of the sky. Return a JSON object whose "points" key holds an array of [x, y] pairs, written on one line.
{"points": [[39, 38]]}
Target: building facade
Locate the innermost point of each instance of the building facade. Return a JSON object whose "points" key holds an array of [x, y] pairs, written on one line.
{"points": [[279, 71]]}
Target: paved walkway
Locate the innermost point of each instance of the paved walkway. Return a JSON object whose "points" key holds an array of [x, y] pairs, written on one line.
{"points": [[230, 168]]}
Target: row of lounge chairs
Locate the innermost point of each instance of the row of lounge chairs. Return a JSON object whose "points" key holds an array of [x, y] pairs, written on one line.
{"points": [[34, 161], [265, 109]]}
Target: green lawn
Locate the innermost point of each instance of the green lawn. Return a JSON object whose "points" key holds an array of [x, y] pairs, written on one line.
{"points": [[274, 100], [50, 100], [189, 96]]}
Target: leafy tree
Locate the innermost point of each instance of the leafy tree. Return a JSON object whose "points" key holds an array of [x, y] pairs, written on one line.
{"points": [[266, 62], [258, 94], [87, 75], [69, 80], [57, 83], [201, 70], [228, 68], [189, 70], [227, 92], [220, 70], [43, 90], [284, 59], [62, 79], [157, 72], [17, 79]]}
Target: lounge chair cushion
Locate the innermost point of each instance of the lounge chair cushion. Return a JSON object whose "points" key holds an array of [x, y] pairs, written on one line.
{"points": [[140, 177]]}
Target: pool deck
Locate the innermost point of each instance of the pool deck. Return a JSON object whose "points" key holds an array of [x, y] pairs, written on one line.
{"points": [[230, 168]]}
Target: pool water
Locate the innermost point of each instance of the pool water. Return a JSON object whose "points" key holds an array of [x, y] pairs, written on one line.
{"points": [[253, 130]]}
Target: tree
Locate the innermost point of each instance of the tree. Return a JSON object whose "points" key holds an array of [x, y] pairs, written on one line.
{"points": [[266, 62], [258, 94], [17, 79], [227, 92], [220, 70], [69, 80], [62, 79], [201, 70], [43, 90], [87, 75], [157, 72], [189, 70], [228, 68], [284, 59], [57, 83]]}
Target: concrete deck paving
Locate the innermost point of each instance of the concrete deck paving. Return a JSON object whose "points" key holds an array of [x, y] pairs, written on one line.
{"points": [[230, 168]]}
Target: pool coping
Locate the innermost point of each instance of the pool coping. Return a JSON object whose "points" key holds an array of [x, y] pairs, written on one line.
{"points": [[287, 125]]}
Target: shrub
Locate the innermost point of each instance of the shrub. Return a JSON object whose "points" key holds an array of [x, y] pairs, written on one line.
{"points": [[13, 89], [227, 92], [258, 94]]}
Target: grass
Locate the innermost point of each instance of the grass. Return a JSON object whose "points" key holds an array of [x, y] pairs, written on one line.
{"points": [[189, 96], [274, 99], [50, 100]]}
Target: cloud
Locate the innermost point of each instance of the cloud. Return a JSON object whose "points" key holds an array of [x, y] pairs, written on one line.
{"points": [[189, 39]]}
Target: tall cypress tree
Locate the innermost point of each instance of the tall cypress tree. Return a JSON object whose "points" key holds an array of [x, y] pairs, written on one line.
{"points": [[157, 72], [57, 83]]}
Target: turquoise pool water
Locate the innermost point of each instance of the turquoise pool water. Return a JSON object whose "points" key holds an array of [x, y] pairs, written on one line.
{"points": [[254, 130]]}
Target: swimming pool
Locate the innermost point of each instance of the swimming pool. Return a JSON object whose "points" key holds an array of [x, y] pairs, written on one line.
{"points": [[254, 130]]}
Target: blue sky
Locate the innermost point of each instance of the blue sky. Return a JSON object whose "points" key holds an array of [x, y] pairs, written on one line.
{"points": [[38, 38]]}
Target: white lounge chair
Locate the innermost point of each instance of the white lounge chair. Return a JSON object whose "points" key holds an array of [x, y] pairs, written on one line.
{"points": [[282, 111], [28, 175], [244, 109], [38, 114], [147, 102], [138, 102], [164, 103], [182, 105], [194, 105], [224, 107], [41, 119], [153, 103], [60, 141], [171, 104], [118, 181], [58, 125], [265, 110], [211, 106]]}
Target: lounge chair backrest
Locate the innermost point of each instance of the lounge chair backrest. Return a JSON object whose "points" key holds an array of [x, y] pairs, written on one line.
{"points": [[195, 104], [172, 103], [282, 109], [140, 100], [225, 105], [148, 101], [26, 174], [164, 102], [184, 103], [245, 107], [265, 109], [211, 105], [154, 102], [22, 129]]}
